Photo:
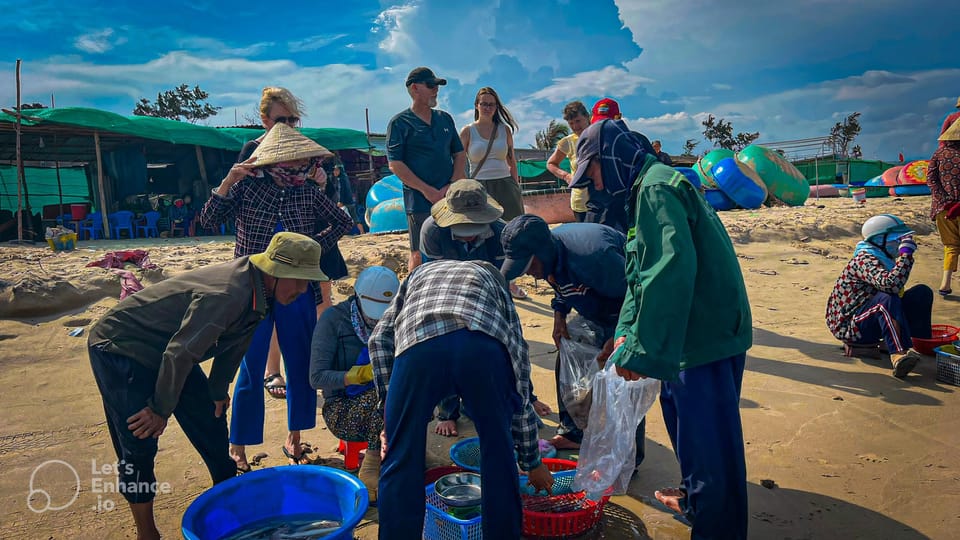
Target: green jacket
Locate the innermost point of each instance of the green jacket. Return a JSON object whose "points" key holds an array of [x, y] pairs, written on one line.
{"points": [[686, 304]]}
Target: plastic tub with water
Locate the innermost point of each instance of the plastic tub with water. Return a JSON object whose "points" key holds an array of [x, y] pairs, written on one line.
{"points": [[303, 495]]}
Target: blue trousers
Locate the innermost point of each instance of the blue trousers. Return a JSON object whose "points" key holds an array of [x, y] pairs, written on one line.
{"points": [[125, 386], [478, 368], [294, 323], [912, 313], [702, 416]]}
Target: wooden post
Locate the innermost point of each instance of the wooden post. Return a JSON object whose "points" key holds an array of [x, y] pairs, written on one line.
{"points": [[20, 179], [103, 196], [366, 112], [203, 167]]}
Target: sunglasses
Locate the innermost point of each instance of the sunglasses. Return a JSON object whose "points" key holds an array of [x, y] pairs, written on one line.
{"points": [[289, 120]]}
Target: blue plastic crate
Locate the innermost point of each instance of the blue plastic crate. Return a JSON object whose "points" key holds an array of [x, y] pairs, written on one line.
{"points": [[948, 363], [439, 525]]}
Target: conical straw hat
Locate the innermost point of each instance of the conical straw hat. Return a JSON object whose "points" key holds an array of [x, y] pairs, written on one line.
{"points": [[952, 133], [284, 143]]}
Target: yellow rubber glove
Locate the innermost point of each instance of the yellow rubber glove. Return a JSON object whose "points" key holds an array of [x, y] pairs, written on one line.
{"points": [[359, 374]]}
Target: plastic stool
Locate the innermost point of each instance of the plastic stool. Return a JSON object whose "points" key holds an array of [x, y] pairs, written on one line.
{"points": [[351, 453]]}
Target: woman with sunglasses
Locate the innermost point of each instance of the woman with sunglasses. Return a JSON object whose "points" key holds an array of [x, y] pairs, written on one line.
{"points": [[492, 162], [263, 202]]}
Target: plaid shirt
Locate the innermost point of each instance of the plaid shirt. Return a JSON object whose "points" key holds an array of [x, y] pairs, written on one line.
{"points": [[444, 296], [863, 277], [257, 204]]}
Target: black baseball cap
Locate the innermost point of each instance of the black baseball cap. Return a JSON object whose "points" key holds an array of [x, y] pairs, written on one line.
{"points": [[522, 238], [424, 75]]}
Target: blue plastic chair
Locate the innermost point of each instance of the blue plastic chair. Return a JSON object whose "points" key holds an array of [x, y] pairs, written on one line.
{"points": [[122, 220], [92, 225], [149, 225], [66, 220]]}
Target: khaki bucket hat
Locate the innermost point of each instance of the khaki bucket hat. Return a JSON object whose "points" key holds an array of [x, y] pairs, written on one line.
{"points": [[291, 256], [284, 143], [466, 203]]}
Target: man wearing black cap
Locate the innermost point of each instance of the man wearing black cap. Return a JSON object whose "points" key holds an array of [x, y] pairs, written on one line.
{"points": [[584, 263], [424, 151]]}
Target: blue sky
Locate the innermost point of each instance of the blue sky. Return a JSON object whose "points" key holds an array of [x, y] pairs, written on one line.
{"points": [[789, 70]]}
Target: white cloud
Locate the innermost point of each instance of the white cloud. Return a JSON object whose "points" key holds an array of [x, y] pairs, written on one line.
{"points": [[97, 42], [721, 86], [214, 47], [394, 23], [313, 43], [611, 80]]}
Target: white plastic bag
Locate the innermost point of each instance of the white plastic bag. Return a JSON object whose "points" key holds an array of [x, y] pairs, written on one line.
{"points": [[578, 364], [608, 448]]}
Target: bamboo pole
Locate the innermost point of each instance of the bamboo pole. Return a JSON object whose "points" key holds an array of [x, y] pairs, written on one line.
{"points": [[103, 197], [366, 112], [20, 180]]}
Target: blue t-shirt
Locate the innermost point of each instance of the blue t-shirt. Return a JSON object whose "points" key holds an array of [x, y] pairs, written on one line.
{"points": [[427, 149]]}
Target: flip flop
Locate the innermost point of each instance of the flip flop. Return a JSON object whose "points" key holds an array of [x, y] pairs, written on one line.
{"points": [[272, 388], [243, 470], [296, 459]]}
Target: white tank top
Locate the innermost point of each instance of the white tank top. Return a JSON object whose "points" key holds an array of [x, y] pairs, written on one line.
{"points": [[496, 164]]}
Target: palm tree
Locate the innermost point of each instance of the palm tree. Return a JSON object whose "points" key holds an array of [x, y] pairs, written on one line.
{"points": [[547, 139]]}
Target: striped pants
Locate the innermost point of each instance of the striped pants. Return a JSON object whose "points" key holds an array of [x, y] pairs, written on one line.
{"points": [[895, 319]]}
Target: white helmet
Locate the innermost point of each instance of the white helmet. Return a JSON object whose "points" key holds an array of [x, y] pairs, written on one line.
{"points": [[375, 287], [889, 226]]}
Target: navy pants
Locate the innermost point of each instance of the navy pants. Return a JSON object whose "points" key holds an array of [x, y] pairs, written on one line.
{"points": [[478, 368], [125, 386], [702, 416], [912, 313], [294, 323]]}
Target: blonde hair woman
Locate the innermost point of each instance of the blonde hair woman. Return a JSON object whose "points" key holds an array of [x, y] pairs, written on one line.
{"points": [[263, 202]]}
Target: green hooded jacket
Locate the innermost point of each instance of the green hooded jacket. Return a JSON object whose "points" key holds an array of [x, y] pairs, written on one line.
{"points": [[686, 303]]}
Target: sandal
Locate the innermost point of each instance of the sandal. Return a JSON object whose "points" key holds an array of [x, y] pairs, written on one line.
{"points": [[276, 391], [302, 459], [517, 293], [945, 292]]}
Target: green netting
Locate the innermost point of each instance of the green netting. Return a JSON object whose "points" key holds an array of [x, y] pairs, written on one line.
{"points": [[530, 169], [42, 183], [824, 171], [174, 132]]}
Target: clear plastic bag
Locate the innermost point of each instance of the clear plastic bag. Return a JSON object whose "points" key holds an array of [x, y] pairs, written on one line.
{"points": [[578, 364], [608, 448]]}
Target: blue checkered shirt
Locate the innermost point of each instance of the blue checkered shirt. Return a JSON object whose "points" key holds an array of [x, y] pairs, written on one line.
{"points": [[444, 296]]}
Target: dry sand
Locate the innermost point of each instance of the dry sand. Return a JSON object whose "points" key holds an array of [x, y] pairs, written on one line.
{"points": [[849, 451]]}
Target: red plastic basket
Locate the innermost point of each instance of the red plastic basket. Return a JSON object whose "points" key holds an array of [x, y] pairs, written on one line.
{"points": [[560, 524], [940, 334], [434, 474]]}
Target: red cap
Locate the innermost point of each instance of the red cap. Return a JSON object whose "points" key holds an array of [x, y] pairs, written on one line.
{"points": [[605, 109]]}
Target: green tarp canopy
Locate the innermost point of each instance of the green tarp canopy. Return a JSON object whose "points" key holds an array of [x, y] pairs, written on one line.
{"points": [[43, 186], [531, 169], [76, 122]]}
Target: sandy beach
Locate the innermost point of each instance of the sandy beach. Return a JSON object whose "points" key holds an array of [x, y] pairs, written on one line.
{"points": [[836, 447]]}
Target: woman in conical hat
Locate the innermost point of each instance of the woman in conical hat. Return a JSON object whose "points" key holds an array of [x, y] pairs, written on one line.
{"points": [[943, 177], [268, 191]]}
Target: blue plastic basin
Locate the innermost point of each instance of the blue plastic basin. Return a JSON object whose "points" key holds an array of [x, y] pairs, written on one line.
{"points": [[274, 493]]}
